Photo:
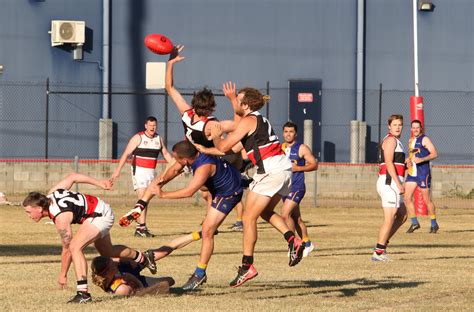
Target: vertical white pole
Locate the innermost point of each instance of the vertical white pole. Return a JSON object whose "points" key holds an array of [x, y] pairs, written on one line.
{"points": [[415, 45]]}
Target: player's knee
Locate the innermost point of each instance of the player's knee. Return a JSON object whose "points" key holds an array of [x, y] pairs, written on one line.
{"points": [[75, 247], [250, 219], [208, 232]]}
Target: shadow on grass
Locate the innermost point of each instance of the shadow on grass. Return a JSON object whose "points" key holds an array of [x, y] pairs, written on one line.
{"points": [[439, 258], [460, 231], [327, 288], [36, 250]]}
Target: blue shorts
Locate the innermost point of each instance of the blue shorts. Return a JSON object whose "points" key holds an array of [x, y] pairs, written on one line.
{"points": [[225, 204], [422, 181], [296, 196]]}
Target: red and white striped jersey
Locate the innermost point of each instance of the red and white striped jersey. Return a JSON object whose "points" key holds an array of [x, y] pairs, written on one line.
{"points": [[194, 131], [398, 159], [147, 152], [263, 147], [82, 206]]}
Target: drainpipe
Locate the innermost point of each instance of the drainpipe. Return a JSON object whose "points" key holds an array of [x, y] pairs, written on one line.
{"points": [[105, 123]]}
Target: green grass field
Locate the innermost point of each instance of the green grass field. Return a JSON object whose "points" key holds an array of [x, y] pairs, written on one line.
{"points": [[427, 272]]}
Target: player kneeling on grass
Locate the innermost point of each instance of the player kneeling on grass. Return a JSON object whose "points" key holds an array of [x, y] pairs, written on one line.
{"points": [[223, 182], [95, 217]]}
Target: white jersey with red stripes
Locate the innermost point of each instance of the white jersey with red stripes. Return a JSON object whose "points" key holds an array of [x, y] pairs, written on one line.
{"points": [[263, 147], [147, 152], [194, 128], [398, 160], [82, 206]]}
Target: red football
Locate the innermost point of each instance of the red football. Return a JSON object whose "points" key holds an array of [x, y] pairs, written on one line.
{"points": [[158, 44]]}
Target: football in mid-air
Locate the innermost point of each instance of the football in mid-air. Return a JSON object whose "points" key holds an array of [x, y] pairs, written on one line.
{"points": [[158, 44]]}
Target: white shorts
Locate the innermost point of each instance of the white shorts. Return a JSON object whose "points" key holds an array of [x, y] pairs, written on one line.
{"points": [[103, 223], [390, 194], [142, 177], [269, 184]]}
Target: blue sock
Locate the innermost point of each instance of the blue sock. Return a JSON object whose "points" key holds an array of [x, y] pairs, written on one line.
{"points": [[200, 272], [308, 243], [414, 220], [433, 222], [238, 223]]}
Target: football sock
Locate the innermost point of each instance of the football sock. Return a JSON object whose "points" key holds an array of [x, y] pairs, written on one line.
{"points": [[141, 226], [247, 261], [82, 285], [139, 258], [289, 236], [433, 220], [414, 220], [200, 269], [380, 249], [196, 235], [141, 204]]}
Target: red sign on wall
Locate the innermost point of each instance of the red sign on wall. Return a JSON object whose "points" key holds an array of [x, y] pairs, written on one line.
{"points": [[305, 97]]}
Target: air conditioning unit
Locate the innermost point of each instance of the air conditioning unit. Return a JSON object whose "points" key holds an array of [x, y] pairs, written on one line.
{"points": [[67, 32]]}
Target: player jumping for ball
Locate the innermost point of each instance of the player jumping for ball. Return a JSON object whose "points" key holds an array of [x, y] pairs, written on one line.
{"points": [[271, 182]]}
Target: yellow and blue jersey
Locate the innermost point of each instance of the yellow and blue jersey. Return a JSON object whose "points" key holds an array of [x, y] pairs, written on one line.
{"points": [[225, 181], [297, 177]]}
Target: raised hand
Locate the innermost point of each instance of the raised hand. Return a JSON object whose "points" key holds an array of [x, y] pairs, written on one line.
{"points": [[229, 90], [175, 54]]}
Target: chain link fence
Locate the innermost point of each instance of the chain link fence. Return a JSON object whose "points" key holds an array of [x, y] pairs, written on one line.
{"points": [[65, 122]]}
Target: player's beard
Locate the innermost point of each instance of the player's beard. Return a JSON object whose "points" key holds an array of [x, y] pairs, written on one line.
{"points": [[240, 112]]}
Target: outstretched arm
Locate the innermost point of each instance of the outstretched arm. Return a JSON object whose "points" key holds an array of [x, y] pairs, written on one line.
{"points": [[230, 92], [169, 85], [245, 126], [131, 146], [198, 180], [169, 159], [75, 177]]}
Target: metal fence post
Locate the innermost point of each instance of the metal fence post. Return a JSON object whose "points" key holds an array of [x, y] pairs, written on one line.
{"points": [[76, 169], [166, 118], [46, 121], [268, 108], [380, 113]]}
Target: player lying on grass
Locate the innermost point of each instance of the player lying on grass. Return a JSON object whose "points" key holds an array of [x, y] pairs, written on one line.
{"points": [[95, 217], [123, 278]]}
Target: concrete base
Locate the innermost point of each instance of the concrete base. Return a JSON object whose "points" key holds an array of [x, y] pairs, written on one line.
{"points": [[105, 138]]}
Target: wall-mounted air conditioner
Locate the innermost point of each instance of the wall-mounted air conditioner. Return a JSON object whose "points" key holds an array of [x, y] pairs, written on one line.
{"points": [[67, 32]]}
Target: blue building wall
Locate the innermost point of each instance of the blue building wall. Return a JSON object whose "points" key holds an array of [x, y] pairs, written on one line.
{"points": [[249, 42]]}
